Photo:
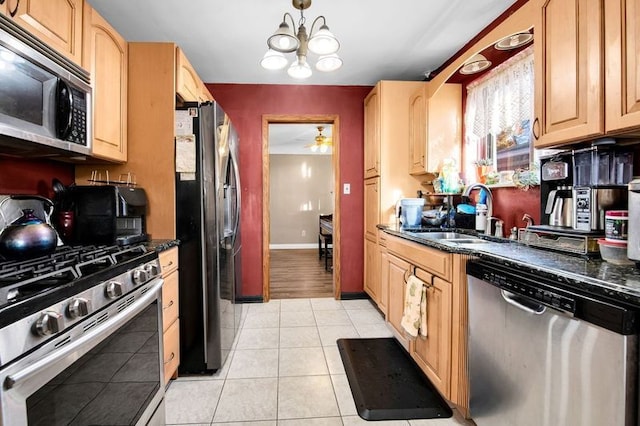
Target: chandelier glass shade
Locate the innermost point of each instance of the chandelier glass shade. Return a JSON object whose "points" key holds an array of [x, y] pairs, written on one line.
{"points": [[322, 42]]}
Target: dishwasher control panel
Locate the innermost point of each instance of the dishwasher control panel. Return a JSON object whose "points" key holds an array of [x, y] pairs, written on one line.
{"points": [[522, 286]]}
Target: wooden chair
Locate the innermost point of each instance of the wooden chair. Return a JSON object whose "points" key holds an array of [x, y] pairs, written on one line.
{"points": [[325, 238]]}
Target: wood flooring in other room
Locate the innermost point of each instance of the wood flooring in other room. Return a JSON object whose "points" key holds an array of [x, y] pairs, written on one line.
{"points": [[298, 274], [285, 370]]}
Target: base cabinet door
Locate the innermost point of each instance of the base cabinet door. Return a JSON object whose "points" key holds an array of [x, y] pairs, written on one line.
{"points": [[433, 352], [372, 270], [397, 270]]}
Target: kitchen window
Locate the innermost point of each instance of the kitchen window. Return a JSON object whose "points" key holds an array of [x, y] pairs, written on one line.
{"points": [[498, 118]]}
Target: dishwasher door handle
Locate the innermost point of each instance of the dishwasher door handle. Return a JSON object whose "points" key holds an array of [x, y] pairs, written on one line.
{"points": [[523, 303]]}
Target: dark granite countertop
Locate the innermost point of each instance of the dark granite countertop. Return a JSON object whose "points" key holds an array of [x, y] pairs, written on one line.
{"points": [[161, 245], [591, 276]]}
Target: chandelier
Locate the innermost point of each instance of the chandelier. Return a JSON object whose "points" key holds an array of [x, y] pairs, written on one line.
{"points": [[321, 142], [284, 40]]}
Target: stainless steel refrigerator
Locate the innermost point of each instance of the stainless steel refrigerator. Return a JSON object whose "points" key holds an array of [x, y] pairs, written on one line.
{"points": [[208, 227]]}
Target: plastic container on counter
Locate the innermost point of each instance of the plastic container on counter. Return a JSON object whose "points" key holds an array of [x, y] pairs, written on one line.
{"points": [[616, 225], [614, 252]]}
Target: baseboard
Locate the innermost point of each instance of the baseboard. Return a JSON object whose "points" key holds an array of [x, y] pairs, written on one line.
{"points": [[249, 299], [354, 296], [293, 246]]}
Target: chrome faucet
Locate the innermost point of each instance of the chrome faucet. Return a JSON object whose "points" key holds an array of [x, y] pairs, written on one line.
{"points": [[473, 186]]}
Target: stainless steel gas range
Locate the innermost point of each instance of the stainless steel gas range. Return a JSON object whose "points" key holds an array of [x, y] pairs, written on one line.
{"points": [[80, 339]]}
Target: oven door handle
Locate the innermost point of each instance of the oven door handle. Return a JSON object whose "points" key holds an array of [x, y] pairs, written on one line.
{"points": [[100, 332]]}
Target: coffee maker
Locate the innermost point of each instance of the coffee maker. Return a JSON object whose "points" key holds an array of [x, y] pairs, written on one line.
{"points": [[601, 173], [556, 191], [108, 214]]}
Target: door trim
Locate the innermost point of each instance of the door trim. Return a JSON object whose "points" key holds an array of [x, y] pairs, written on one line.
{"points": [[334, 120]]}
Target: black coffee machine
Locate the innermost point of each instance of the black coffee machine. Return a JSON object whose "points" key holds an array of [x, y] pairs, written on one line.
{"points": [[108, 214]]}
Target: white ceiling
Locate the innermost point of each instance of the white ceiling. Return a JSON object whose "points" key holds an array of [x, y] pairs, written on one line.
{"points": [[380, 39], [294, 138]]}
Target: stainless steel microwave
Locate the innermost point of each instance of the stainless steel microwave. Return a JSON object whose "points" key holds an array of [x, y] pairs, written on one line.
{"points": [[45, 99]]}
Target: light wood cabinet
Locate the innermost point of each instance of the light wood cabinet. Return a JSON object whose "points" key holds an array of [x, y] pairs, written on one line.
{"points": [[372, 208], [442, 353], [569, 82], [396, 274], [189, 87], [433, 352], [418, 116], [170, 312], [105, 57], [383, 261], [171, 353], [372, 282], [57, 23], [435, 128], [386, 124], [622, 65], [372, 133]]}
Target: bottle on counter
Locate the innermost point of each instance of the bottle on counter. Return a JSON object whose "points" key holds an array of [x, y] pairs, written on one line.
{"points": [[481, 217]]}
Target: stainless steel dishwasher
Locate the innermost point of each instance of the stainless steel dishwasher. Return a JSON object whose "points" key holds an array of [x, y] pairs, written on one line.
{"points": [[540, 355]]}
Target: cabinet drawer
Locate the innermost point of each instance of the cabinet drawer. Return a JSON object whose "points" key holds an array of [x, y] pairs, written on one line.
{"points": [[432, 260], [171, 357], [169, 299], [168, 260]]}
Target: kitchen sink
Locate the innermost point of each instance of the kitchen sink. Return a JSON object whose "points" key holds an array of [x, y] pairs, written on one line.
{"points": [[442, 235], [449, 237]]}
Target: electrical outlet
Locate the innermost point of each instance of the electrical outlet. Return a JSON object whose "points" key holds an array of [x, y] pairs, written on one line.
{"points": [[346, 189], [304, 233]]}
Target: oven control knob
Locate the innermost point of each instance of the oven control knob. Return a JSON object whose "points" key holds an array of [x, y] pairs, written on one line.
{"points": [[113, 289], [48, 323], [78, 307], [139, 276], [152, 269]]}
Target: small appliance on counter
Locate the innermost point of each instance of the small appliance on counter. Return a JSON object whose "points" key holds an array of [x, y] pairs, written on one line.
{"points": [[108, 214], [577, 188]]}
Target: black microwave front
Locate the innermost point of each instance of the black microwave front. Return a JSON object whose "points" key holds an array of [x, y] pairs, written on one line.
{"points": [[45, 99]]}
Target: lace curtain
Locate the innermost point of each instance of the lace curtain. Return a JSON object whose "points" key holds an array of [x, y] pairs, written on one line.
{"points": [[498, 115]]}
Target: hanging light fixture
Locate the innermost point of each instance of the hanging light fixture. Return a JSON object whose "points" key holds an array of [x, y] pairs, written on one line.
{"points": [[284, 40]]}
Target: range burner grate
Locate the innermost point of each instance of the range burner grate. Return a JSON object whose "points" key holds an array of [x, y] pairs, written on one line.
{"points": [[21, 279]]}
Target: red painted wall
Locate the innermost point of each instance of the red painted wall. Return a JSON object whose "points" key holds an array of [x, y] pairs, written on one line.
{"points": [[32, 176], [246, 104], [510, 205]]}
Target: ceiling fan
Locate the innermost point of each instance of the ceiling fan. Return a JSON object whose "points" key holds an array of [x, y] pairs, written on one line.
{"points": [[321, 142]]}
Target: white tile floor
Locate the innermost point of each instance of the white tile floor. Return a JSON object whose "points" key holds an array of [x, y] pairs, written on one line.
{"points": [[285, 369]]}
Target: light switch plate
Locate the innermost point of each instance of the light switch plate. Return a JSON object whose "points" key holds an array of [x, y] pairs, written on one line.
{"points": [[346, 188]]}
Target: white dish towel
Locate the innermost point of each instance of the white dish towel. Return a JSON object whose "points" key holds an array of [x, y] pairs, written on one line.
{"points": [[414, 315]]}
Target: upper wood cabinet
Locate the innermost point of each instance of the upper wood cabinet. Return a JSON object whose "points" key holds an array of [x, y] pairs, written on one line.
{"points": [[622, 65], [372, 133], [189, 87], [57, 23], [418, 116], [105, 57], [569, 91], [435, 127]]}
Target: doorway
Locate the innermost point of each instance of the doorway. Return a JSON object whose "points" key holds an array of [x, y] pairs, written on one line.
{"points": [[329, 120]]}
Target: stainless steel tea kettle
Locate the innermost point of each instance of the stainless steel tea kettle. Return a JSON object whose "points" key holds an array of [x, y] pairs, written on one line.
{"points": [[28, 236], [560, 207]]}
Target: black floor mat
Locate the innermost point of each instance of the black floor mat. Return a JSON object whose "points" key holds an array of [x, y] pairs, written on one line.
{"points": [[387, 384]]}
